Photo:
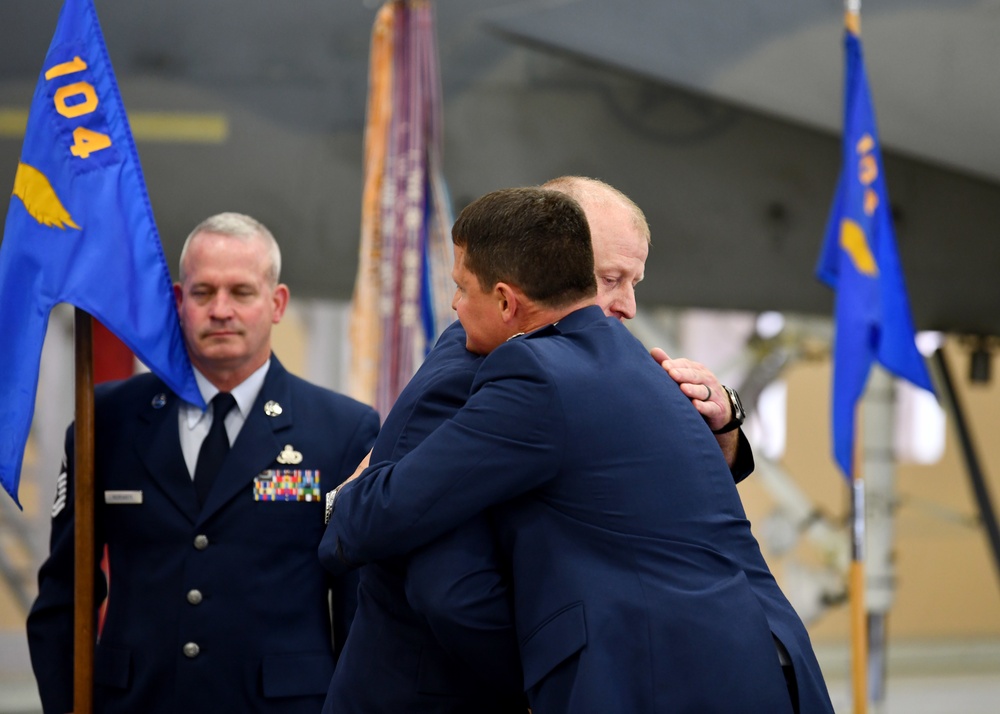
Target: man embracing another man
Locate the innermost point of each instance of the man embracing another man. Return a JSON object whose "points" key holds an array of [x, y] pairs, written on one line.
{"points": [[637, 585]]}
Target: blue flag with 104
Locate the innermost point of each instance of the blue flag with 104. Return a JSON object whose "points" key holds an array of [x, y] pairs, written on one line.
{"points": [[859, 260], [80, 230]]}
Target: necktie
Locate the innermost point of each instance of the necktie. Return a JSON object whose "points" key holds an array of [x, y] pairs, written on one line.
{"points": [[215, 446]]}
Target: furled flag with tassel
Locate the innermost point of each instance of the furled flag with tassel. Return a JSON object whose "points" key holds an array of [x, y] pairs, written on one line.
{"points": [[402, 292]]}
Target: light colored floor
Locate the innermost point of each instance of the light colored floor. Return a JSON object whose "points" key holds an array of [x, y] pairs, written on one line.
{"points": [[928, 694], [953, 677], [938, 678]]}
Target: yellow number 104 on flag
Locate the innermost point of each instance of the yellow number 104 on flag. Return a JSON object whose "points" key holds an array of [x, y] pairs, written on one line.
{"points": [[77, 100]]}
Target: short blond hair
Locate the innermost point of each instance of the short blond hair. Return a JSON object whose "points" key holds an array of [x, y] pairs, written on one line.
{"points": [[591, 191]]}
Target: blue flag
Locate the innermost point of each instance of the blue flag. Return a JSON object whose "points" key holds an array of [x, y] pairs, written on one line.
{"points": [[80, 230], [860, 261]]}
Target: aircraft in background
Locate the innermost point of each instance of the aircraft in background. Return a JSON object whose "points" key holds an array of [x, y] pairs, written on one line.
{"points": [[720, 119]]}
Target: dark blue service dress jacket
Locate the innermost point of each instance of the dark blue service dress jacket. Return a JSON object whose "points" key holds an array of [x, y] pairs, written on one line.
{"points": [[637, 583], [393, 662], [216, 609]]}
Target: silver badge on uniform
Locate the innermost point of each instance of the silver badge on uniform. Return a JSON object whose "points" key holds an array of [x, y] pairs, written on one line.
{"points": [[272, 408], [289, 455]]}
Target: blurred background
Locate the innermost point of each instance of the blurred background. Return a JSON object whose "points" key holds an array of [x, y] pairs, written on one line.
{"points": [[722, 120]]}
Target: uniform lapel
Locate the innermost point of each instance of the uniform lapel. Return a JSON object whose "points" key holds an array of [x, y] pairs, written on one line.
{"points": [[257, 445], [159, 448]]}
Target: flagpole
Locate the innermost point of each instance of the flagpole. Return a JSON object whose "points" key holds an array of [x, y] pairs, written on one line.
{"points": [[859, 620], [859, 616], [873, 322], [879, 407], [83, 486]]}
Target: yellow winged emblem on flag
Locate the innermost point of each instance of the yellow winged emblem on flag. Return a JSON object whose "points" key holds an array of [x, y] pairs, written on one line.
{"points": [[40, 199], [855, 243]]}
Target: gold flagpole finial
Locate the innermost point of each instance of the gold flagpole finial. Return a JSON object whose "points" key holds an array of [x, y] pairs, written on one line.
{"points": [[852, 16]]}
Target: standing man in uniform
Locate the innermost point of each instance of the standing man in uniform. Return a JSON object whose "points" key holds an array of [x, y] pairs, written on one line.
{"points": [[215, 599]]}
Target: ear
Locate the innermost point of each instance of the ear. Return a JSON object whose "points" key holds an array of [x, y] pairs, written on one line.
{"points": [[280, 298], [178, 295], [507, 301]]}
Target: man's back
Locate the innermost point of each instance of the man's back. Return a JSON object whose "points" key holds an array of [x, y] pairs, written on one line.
{"points": [[635, 552], [647, 508]]}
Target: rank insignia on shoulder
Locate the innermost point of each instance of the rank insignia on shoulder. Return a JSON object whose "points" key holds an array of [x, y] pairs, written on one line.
{"points": [[62, 486], [287, 485], [289, 455]]}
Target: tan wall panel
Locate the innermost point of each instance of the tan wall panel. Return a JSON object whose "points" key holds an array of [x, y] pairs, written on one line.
{"points": [[947, 582]]}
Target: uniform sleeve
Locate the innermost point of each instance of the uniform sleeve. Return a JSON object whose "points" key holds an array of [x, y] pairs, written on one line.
{"points": [[359, 443], [460, 585], [50, 621], [744, 464], [344, 586], [504, 442]]}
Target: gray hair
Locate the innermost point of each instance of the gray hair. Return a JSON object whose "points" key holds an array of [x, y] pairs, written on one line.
{"points": [[591, 191], [238, 225]]}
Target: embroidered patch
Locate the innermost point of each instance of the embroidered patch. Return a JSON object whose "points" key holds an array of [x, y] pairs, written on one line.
{"points": [[287, 485]]}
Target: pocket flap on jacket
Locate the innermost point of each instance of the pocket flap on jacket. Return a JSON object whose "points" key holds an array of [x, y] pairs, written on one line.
{"points": [[554, 641]]}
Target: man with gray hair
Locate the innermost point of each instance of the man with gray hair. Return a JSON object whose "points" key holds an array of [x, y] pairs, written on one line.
{"points": [[215, 600]]}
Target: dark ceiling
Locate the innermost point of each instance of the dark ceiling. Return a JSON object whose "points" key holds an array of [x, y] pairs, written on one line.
{"points": [[719, 118]]}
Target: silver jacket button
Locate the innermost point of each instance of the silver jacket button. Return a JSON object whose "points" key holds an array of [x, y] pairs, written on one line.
{"points": [[201, 542], [191, 650], [194, 597]]}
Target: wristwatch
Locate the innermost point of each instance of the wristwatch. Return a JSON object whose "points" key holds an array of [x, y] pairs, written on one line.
{"points": [[739, 414], [331, 496]]}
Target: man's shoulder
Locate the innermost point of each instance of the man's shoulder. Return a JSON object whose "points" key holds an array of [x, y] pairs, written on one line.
{"points": [[145, 386], [449, 356], [454, 332], [581, 342], [138, 398], [448, 367], [584, 329]]}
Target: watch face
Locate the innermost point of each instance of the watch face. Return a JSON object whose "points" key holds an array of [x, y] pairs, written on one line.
{"points": [[739, 415]]}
